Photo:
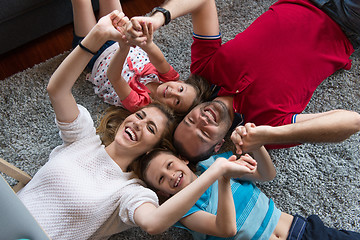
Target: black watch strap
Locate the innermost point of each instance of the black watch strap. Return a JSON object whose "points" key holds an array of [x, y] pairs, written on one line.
{"points": [[163, 11]]}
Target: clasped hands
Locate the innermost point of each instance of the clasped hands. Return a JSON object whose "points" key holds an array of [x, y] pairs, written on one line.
{"points": [[249, 137], [117, 27]]}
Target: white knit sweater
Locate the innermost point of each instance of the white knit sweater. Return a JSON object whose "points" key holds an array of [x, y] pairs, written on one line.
{"points": [[81, 193]]}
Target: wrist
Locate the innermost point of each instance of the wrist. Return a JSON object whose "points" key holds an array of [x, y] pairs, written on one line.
{"points": [[148, 47], [219, 167], [224, 180], [94, 40], [159, 11]]}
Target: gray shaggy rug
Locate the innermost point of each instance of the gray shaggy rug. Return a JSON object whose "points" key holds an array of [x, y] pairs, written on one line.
{"points": [[318, 179]]}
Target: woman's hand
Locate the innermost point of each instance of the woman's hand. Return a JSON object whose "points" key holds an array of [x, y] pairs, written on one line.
{"points": [[112, 26]]}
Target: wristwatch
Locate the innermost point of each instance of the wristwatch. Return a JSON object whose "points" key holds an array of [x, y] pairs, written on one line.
{"points": [[163, 11]]}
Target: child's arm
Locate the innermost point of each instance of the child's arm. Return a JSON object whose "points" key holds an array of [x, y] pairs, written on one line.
{"points": [[63, 79], [223, 224], [156, 220], [154, 53], [114, 70], [265, 169]]}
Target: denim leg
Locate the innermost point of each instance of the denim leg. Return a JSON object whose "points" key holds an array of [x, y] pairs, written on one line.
{"points": [[346, 13], [77, 39], [315, 230]]}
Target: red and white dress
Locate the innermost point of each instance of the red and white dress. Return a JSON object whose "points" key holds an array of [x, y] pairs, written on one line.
{"points": [[137, 71]]}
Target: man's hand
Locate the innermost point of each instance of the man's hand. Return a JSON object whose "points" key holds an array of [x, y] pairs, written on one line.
{"points": [[249, 137]]}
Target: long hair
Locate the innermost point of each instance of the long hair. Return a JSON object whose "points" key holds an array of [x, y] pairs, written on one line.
{"points": [[202, 89], [110, 122], [114, 116]]}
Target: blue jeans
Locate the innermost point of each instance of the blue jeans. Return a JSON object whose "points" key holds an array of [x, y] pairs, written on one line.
{"points": [[91, 63], [313, 228], [346, 13]]}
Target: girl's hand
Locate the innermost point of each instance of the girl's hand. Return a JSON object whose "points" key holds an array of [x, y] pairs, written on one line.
{"points": [[148, 32], [137, 31]]}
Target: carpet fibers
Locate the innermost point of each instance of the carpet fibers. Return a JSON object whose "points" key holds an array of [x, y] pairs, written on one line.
{"points": [[318, 179]]}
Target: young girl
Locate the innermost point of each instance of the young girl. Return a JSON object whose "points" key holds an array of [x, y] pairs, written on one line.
{"points": [[254, 215], [132, 76]]}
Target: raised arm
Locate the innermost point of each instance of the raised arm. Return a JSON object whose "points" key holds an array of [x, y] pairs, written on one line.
{"points": [[203, 12], [223, 224], [63, 79], [332, 126], [156, 220], [114, 70], [154, 53]]}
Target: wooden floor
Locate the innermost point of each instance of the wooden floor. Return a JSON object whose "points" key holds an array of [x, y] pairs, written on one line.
{"points": [[57, 42]]}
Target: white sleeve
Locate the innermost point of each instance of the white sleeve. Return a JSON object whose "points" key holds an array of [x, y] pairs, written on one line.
{"points": [[81, 127], [135, 195]]}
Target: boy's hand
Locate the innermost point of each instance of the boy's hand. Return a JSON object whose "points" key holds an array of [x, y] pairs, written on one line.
{"points": [[236, 168]]}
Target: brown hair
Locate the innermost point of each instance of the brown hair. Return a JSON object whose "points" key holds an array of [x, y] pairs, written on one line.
{"points": [[142, 163], [193, 160], [202, 89], [114, 116]]}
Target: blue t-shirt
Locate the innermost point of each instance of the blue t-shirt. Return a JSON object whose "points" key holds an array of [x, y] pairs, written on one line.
{"points": [[256, 214]]}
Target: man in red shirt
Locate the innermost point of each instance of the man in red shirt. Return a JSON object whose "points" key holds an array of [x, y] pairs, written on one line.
{"points": [[267, 73]]}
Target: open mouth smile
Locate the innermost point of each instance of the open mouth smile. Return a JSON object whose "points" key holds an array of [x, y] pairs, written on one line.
{"points": [[165, 91], [131, 133], [210, 114], [178, 180]]}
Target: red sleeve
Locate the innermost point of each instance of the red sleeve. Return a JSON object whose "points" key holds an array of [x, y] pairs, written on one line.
{"points": [[171, 75], [136, 99]]}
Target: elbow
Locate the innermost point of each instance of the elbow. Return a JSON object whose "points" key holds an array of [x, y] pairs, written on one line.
{"points": [[352, 122], [271, 176], [229, 232], [356, 121], [153, 230], [50, 89], [268, 176], [152, 227]]}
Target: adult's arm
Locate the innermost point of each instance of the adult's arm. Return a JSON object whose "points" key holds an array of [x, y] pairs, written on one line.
{"points": [[203, 12], [331, 126], [63, 79]]}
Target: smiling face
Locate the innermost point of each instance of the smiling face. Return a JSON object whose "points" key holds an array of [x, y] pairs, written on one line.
{"points": [[168, 173], [177, 95], [142, 130], [202, 129]]}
